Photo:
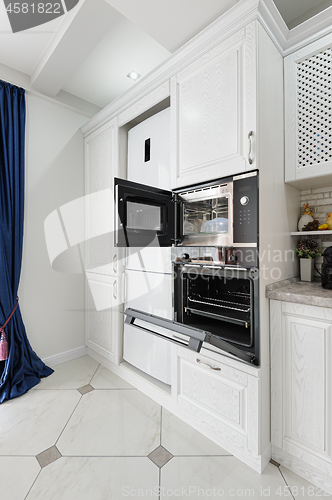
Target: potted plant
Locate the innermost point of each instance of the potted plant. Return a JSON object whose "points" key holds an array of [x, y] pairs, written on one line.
{"points": [[307, 250]]}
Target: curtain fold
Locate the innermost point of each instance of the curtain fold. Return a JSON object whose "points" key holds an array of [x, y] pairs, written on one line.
{"points": [[23, 368]]}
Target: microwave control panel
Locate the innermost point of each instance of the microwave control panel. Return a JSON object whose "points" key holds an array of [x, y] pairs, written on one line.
{"points": [[245, 210]]}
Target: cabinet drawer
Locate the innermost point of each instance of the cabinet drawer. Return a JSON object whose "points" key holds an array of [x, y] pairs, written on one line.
{"points": [[222, 397]]}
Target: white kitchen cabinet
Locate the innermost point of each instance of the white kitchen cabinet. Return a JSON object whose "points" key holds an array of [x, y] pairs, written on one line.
{"points": [[222, 400], [308, 109], [301, 384], [214, 110], [103, 318], [100, 169]]}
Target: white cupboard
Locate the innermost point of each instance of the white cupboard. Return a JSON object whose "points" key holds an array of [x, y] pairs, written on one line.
{"points": [[301, 387], [214, 111], [102, 260], [223, 399], [103, 319], [308, 106], [100, 170]]}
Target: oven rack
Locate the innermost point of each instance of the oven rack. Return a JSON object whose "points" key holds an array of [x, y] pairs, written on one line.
{"points": [[235, 321], [225, 304]]}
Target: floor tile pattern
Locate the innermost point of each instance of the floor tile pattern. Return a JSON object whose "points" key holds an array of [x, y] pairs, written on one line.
{"points": [[85, 389], [48, 456], [160, 456], [83, 433]]}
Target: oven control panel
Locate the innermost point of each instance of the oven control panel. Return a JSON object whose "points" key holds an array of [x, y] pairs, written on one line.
{"points": [[245, 210]]}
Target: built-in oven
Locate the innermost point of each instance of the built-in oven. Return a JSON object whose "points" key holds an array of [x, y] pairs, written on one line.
{"points": [[219, 213], [214, 307]]}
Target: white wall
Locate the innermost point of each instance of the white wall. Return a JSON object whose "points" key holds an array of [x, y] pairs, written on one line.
{"points": [[52, 303]]}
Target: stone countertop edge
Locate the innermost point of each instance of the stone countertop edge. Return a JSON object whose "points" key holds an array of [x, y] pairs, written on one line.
{"points": [[301, 292]]}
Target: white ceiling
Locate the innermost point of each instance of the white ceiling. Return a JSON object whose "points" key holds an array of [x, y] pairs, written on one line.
{"points": [[89, 51]]}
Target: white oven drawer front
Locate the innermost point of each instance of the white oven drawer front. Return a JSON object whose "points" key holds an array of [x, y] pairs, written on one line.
{"points": [[149, 292], [148, 353], [154, 259]]}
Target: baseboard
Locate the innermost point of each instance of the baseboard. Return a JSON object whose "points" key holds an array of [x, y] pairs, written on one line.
{"points": [[62, 357], [311, 474]]}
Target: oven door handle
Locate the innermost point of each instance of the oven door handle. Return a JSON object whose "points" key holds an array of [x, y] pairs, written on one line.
{"points": [[196, 336]]}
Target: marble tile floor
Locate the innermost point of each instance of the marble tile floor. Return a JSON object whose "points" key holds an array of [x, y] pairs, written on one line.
{"points": [[84, 433]]}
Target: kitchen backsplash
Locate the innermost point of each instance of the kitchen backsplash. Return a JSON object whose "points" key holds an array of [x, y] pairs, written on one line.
{"points": [[320, 201]]}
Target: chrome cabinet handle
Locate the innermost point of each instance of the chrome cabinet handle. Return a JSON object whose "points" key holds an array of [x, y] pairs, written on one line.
{"points": [[114, 290], [206, 364], [250, 160], [114, 261]]}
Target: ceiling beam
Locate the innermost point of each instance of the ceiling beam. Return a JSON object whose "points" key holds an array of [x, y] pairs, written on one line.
{"points": [[81, 30]]}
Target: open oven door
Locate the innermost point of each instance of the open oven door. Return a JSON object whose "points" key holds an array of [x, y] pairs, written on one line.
{"points": [[195, 337], [145, 215]]}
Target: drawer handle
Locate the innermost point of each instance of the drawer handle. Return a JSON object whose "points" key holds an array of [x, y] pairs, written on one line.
{"points": [[114, 263], [114, 290], [206, 364], [250, 147]]}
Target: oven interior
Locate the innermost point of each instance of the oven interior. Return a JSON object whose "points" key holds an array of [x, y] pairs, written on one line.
{"points": [[206, 216], [221, 305]]}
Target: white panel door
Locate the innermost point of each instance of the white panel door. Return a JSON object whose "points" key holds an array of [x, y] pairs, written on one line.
{"points": [[149, 292], [223, 399], [216, 109], [103, 318], [100, 163], [301, 383], [156, 259], [308, 103]]}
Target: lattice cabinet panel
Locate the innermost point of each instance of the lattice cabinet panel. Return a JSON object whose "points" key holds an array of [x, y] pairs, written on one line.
{"points": [[314, 105], [308, 114]]}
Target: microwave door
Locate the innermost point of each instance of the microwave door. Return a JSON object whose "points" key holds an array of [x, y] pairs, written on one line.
{"points": [[144, 215]]}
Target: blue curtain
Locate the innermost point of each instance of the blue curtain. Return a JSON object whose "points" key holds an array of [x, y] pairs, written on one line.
{"points": [[23, 369]]}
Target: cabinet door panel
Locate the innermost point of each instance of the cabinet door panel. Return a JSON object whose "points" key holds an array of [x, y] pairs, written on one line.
{"points": [[222, 397], [204, 101], [102, 320], [213, 111], [308, 129], [100, 159], [301, 382], [305, 370]]}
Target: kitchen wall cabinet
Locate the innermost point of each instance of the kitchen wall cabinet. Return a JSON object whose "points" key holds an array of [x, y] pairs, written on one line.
{"points": [[214, 110], [308, 105], [301, 383], [103, 318]]}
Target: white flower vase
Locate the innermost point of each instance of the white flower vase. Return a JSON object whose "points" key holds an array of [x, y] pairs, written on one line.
{"points": [[307, 269]]}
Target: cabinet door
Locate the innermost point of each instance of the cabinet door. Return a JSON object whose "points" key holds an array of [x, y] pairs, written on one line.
{"points": [[308, 104], [100, 169], [223, 399], [215, 111], [103, 315], [301, 382]]}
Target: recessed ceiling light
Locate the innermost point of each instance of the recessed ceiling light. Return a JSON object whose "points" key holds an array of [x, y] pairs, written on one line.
{"points": [[134, 75]]}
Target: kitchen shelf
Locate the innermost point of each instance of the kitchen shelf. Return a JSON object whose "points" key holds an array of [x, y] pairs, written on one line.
{"points": [[308, 233]]}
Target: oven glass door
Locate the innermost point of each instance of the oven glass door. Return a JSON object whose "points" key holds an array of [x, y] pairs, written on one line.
{"points": [[190, 337], [144, 215]]}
